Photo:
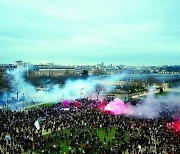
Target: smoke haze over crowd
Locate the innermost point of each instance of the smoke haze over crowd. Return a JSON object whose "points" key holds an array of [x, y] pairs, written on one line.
{"points": [[151, 106]]}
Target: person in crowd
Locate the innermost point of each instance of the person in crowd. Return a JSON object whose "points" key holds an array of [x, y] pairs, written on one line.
{"points": [[79, 130]]}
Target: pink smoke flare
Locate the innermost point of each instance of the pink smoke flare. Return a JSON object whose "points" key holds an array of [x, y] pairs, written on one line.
{"points": [[118, 107], [66, 103], [76, 104]]}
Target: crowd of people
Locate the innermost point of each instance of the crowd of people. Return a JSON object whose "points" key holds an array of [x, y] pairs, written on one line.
{"points": [[81, 129]]}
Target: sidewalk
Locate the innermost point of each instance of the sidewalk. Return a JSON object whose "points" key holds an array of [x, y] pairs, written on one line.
{"points": [[147, 93]]}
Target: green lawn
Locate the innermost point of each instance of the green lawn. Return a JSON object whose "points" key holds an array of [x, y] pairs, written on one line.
{"points": [[40, 105], [161, 94], [156, 95], [127, 136], [101, 133], [65, 147]]}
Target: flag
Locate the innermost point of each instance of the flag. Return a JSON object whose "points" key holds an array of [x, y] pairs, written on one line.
{"points": [[7, 137], [37, 125]]}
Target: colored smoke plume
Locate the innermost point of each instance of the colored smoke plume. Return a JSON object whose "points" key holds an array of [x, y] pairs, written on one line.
{"points": [[117, 106], [150, 108], [175, 126], [74, 89]]}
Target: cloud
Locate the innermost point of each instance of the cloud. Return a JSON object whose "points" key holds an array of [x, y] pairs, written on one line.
{"points": [[98, 27]]}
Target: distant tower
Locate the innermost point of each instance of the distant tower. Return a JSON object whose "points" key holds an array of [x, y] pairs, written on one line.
{"points": [[19, 63]]}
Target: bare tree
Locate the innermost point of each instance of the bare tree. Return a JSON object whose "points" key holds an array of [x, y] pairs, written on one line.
{"points": [[99, 88]]}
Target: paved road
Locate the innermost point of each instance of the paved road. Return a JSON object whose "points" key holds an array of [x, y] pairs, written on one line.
{"points": [[16, 106]]}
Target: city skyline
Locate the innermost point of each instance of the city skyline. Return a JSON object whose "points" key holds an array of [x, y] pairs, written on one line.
{"points": [[90, 32]]}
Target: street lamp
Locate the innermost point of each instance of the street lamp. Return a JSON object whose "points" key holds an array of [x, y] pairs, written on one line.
{"points": [[17, 92], [81, 92]]}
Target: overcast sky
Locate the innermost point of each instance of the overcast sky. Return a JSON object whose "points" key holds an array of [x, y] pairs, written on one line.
{"points": [[130, 32]]}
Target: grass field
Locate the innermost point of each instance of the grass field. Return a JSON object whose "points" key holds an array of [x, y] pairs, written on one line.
{"points": [[39, 105], [161, 94], [100, 133], [156, 95]]}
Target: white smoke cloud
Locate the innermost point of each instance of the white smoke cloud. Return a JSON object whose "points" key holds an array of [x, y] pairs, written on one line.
{"points": [[153, 107], [73, 89]]}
